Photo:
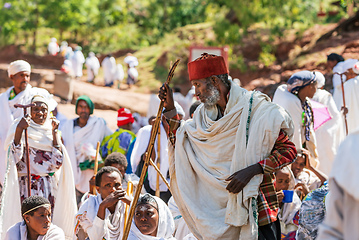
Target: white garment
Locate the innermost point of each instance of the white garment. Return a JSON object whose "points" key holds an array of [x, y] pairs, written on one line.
{"points": [[308, 178], [292, 104], [92, 65], [120, 74], [111, 228], [19, 232], [183, 102], [330, 134], [39, 137], [142, 140], [53, 48], [109, 69], [9, 113], [336, 77], [77, 60], [341, 220], [94, 131], [166, 225], [351, 90], [288, 210], [208, 151], [181, 228]]}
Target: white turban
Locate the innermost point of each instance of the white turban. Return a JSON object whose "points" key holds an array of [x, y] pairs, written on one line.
{"points": [[18, 66], [320, 79]]}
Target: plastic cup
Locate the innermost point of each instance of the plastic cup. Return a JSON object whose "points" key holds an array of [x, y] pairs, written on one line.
{"points": [[288, 196]]}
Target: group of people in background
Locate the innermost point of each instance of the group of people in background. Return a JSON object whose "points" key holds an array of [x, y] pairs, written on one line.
{"points": [[113, 73], [240, 165]]}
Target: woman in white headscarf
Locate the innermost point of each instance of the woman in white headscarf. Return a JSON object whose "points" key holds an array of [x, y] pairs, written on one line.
{"points": [[294, 97], [50, 168], [152, 221]]}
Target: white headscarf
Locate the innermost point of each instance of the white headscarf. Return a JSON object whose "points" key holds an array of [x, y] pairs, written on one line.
{"points": [[320, 79], [18, 66], [165, 228]]}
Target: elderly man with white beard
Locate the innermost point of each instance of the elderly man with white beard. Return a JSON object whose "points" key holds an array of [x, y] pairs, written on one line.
{"points": [[222, 160]]}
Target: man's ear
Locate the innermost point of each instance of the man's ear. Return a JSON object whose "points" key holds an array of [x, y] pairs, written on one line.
{"points": [[98, 189], [26, 218], [215, 80]]}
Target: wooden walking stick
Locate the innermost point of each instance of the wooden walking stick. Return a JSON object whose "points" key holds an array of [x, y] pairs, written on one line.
{"points": [[130, 194], [147, 158], [96, 166], [27, 148], [158, 162], [344, 105]]}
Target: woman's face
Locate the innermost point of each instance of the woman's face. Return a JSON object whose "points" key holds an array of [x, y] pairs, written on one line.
{"points": [[146, 219], [39, 223], [298, 165], [39, 113]]}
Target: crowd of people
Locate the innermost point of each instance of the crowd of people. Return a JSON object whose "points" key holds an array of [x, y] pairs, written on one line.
{"points": [[239, 165], [113, 73]]}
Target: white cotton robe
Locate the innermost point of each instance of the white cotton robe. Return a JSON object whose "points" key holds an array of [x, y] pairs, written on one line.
{"points": [[330, 134], [342, 216], [351, 90], [111, 228], [19, 232], [40, 137], [207, 151], [292, 104], [77, 60], [94, 131]]}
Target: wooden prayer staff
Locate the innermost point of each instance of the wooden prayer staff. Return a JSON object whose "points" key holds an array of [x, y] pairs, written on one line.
{"points": [[130, 194], [96, 166], [344, 105], [154, 131], [27, 148]]}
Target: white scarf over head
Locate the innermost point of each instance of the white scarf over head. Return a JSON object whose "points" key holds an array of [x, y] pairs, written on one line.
{"points": [[39, 137], [18, 66], [209, 151], [166, 225], [10, 113]]}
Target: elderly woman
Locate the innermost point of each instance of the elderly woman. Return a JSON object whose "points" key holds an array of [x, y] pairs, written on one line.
{"points": [[294, 97], [152, 220], [36, 224], [50, 167]]}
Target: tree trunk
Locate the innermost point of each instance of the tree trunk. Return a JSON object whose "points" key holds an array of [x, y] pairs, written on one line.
{"points": [[36, 23]]}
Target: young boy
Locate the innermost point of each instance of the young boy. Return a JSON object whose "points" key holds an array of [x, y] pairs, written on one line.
{"points": [[36, 212]]}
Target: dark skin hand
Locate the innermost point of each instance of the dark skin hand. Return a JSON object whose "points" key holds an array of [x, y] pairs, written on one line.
{"points": [[241, 178], [110, 202], [166, 96]]}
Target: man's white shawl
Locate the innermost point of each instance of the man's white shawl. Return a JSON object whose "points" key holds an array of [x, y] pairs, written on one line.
{"points": [[40, 137], [292, 104], [110, 228], [19, 232], [207, 151], [94, 131], [9, 113]]}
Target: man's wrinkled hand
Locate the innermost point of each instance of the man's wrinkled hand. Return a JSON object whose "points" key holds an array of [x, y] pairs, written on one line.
{"points": [[241, 178]]}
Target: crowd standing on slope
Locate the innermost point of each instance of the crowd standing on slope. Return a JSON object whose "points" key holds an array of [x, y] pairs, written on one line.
{"points": [[240, 166]]}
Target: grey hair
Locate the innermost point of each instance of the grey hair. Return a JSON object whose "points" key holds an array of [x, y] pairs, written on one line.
{"points": [[224, 79]]}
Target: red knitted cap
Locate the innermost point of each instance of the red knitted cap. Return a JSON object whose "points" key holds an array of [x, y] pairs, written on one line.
{"points": [[124, 116], [205, 66]]}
